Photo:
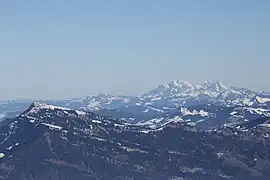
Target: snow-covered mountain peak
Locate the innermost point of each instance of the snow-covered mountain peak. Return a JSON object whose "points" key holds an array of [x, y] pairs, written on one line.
{"points": [[180, 84], [38, 107], [176, 84], [181, 88], [171, 95], [173, 88], [41, 105], [214, 86], [179, 92]]}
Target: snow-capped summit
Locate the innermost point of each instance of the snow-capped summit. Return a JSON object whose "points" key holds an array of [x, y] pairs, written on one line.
{"points": [[179, 92], [42, 105], [38, 106], [182, 88], [173, 88], [39, 110], [180, 84], [214, 87], [170, 95]]}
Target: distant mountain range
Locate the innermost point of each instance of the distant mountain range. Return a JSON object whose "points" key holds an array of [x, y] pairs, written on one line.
{"points": [[49, 142], [167, 100]]}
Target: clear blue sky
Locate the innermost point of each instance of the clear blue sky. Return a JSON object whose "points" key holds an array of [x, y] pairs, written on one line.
{"points": [[65, 48]]}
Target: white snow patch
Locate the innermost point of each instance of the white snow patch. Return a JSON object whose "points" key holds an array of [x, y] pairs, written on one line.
{"points": [[219, 154], [96, 121], [233, 113], [126, 100], [146, 110], [93, 105], [266, 125], [99, 139], [155, 109], [186, 112], [146, 131], [199, 121], [82, 113], [131, 119], [153, 126], [147, 103], [192, 123], [118, 125], [262, 100], [51, 126], [39, 106], [153, 130], [128, 149], [174, 152], [260, 111], [157, 121], [151, 121], [2, 115], [156, 99]]}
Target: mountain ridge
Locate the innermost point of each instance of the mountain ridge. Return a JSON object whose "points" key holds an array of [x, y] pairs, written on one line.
{"points": [[104, 148], [164, 97]]}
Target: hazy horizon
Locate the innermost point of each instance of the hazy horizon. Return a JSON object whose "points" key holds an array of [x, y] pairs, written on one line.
{"points": [[117, 94], [66, 49]]}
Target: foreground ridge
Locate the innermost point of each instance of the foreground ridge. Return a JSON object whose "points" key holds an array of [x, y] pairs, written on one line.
{"points": [[59, 143]]}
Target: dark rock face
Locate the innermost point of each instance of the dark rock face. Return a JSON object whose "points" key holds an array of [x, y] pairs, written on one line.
{"points": [[46, 142]]}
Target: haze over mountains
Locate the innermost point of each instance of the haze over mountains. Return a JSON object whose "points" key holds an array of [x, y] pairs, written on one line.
{"points": [[84, 64], [176, 131], [160, 100]]}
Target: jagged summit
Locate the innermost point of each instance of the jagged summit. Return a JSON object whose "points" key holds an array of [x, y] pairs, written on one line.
{"points": [[181, 88], [178, 87], [214, 87], [166, 96]]}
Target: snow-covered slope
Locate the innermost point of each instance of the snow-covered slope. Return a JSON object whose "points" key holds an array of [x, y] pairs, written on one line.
{"points": [[158, 101], [209, 116], [177, 93], [260, 99], [50, 142]]}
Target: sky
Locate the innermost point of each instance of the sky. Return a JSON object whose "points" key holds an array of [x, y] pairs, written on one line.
{"points": [[59, 49]]}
